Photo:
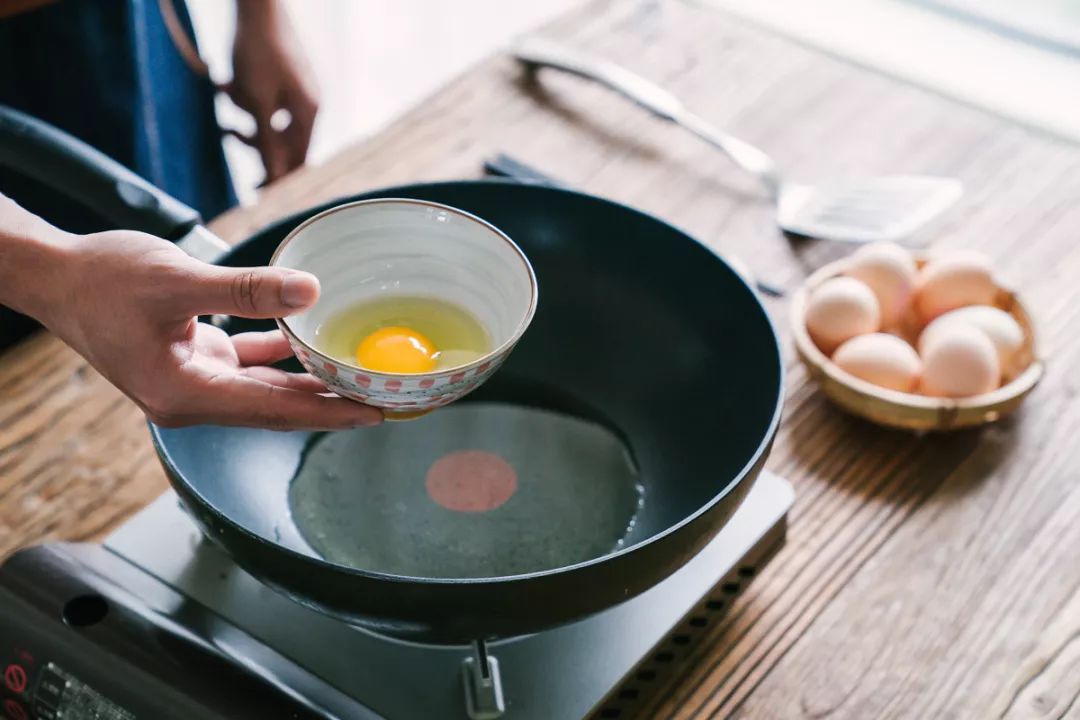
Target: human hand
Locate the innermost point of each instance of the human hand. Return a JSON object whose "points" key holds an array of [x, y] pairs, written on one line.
{"points": [[128, 302], [270, 73]]}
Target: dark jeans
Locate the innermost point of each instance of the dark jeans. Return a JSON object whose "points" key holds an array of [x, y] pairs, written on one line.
{"points": [[107, 72]]}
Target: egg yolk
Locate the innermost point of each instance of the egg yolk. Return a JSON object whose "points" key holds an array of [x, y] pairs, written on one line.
{"points": [[396, 350]]}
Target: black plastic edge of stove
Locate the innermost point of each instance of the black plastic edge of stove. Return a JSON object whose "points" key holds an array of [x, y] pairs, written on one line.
{"points": [[649, 682]]}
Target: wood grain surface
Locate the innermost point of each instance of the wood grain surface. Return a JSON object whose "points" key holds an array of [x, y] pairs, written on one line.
{"points": [[923, 577]]}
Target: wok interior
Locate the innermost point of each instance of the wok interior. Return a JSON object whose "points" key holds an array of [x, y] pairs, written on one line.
{"points": [[638, 330], [476, 490]]}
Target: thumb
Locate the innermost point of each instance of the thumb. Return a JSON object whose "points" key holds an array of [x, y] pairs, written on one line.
{"points": [[262, 292]]}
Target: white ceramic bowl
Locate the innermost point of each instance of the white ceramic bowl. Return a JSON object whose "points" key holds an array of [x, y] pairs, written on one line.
{"points": [[369, 249]]}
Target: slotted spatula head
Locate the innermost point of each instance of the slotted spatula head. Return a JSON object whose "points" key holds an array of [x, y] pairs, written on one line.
{"points": [[865, 209]]}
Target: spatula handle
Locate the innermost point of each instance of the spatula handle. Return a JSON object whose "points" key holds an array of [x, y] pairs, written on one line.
{"points": [[541, 53], [534, 53]]}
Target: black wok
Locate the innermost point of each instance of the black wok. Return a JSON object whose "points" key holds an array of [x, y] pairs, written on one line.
{"points": [[640, 330]]}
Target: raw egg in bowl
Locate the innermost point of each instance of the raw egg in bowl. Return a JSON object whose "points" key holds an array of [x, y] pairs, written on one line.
{"points": [[420, 302]]}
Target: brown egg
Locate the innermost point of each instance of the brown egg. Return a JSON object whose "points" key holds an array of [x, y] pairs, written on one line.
{"points": [[1000, 327], [953, 281], [881, 359], [838, 309], [890, 272], [960, 362]]}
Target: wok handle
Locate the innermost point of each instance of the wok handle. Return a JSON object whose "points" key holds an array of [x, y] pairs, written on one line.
{"points": [[66, 164]]}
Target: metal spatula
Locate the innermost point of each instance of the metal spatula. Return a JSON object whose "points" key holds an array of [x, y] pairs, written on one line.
{"points": [[855, 210]]}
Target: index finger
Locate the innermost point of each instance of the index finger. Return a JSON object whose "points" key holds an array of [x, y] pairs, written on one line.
{"points": [[242, 400]]}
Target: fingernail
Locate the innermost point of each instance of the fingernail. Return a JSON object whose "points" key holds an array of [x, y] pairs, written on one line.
{"points": [[299, 290]]}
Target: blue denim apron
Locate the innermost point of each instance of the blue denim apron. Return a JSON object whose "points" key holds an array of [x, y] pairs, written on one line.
{"points": [[108, 72]]}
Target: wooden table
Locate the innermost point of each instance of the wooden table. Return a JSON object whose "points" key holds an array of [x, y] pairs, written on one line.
{"points": [[923, 577]]}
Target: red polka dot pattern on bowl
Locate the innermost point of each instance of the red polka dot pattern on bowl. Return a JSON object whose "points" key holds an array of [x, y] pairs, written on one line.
{"points": [[415, 393]]}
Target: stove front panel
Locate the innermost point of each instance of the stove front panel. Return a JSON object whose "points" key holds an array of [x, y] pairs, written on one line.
{"points": [[562, 674], [85, 635]]}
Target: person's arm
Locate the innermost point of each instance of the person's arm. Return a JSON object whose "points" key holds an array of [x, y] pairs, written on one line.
{"points": [[271, 73], [30, 252], [128, 303]]}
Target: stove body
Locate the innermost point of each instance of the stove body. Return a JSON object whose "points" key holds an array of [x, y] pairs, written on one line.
{"points": [[159, 624]]}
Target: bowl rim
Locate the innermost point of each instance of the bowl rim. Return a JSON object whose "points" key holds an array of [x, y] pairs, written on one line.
{"points": [[526, 320], [1019, 386]]}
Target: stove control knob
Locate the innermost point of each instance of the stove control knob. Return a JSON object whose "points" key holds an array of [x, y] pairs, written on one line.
{"points": [[14, 711], [15, 678]]}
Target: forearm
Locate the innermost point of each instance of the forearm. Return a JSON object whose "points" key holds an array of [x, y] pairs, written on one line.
{"points": [[31, 253]]}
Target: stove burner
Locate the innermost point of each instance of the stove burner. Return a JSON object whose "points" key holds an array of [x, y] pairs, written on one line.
{"points": [[471, 481]]}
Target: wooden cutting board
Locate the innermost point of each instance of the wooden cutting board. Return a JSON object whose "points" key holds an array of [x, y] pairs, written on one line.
{"points": [[923, 577]]}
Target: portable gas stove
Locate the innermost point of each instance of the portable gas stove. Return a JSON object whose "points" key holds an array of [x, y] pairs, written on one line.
{"points": [[158, 624]]}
